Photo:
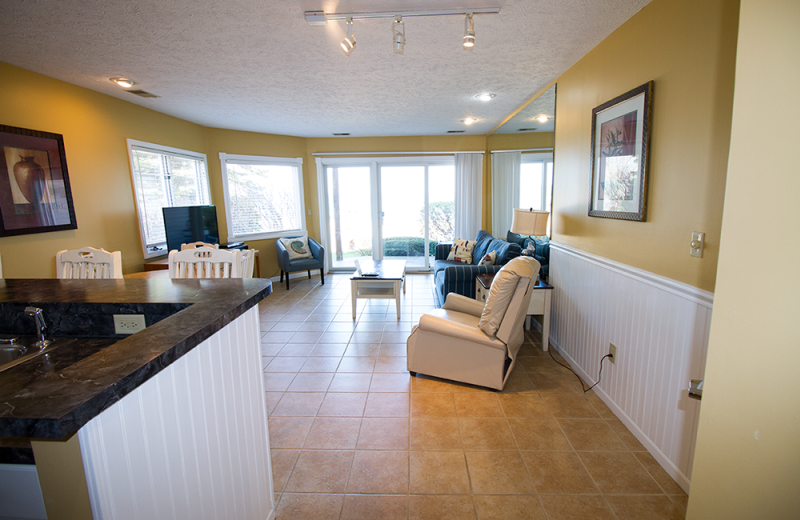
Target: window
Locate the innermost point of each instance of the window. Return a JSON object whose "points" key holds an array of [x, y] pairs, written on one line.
{"points": [[164, 177], [536, 181], [263, 196]]}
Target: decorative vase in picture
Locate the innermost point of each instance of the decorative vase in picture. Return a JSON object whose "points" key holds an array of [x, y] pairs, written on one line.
{"points": [[30, 179]]}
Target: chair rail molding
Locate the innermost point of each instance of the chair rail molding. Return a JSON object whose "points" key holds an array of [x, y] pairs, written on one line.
{"points": [[660, 327]]}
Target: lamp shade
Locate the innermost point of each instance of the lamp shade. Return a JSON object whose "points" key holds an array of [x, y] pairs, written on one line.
{"points": [[529, 222]]}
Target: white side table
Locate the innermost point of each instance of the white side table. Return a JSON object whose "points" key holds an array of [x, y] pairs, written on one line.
{"points": [[539, 305], [387, 284]]}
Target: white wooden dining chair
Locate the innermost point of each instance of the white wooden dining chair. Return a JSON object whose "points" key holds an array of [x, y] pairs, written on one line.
{"points": [[88, 263], [248, 262], [195, 245], [205, 262]]}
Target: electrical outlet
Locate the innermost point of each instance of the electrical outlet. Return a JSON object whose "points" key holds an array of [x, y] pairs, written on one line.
{"points": [[612, 349], [128, 323]]}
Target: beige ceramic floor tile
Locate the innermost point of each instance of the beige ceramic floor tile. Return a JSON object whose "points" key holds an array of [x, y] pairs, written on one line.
{"points": [[570, 507], [438, 473], [366, 337], [570, 406], [311, 382], [390, 383], [391, 364], [625, 435], [320, 472], [486, 433], [559, 472], [392, 349], [321, 364], [343, 405], [356, 364], [282, 465], [329, 349], [288, 432], [381, 404], [619, 472], [298, 404], [350, 382], [296, 350], [372, 507], [538, 434], [549, 383], [432, 507], [524, 405], [379, 472], [285, 364], [425, 384], [644, 508], [474, 404], [498, 473], [306, 337], [505, 507], [333, 433], [362, 349], [309, 507], [590, 435], [383, 434], [272, 400], [432, 405], [669, 486], [278, 382], [435, 434]]}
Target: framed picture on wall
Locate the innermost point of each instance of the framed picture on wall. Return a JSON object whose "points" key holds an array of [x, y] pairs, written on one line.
{"points": [[35, 195], [620, 151]]}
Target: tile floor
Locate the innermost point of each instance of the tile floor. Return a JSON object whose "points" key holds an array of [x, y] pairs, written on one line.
{"points": [[354, 436]]}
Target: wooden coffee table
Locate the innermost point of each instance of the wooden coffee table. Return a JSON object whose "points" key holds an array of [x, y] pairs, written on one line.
{"points": [[539, 305], [391, 276]]}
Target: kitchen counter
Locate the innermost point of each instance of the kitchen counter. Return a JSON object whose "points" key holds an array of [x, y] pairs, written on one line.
{"points": [[53, 398]]}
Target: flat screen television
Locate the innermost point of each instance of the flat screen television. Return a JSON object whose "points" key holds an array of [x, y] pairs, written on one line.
{"points": [[185, 224]]}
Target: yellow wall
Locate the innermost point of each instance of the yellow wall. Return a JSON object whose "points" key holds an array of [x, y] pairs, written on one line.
{"points": [[688, 48], [95, 127], [747, 462]]}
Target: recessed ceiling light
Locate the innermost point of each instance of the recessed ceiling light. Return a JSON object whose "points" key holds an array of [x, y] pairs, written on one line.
{"points": [[123, 82], [486, 96], [469, 120], [542, 118]]}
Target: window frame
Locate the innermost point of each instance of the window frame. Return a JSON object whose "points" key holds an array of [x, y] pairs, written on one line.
{"points": [[268, 161], [159, 248]]}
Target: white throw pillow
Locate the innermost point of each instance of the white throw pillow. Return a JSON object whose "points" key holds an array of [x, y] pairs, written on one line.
{"points": [[489, 258], [461, 251], [297, 247]]}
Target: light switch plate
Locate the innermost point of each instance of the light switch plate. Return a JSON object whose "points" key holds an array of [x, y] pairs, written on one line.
{"points": [[698, 241]]}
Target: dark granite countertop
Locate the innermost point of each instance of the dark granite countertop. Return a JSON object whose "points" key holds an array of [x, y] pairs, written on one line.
{"points": [[52, 398]]}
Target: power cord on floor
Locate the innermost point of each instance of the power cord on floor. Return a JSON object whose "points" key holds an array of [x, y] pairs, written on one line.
{"points": [[599, 375]]}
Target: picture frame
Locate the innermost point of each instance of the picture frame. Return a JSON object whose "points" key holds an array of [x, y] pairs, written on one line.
{"points": [[35, 194], [620, 153]]}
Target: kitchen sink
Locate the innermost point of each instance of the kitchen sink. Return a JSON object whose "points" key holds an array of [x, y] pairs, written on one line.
{"points": [[15, 350]]}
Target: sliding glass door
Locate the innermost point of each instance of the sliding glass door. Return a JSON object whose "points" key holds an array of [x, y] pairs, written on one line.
{"points": [[388, 208]]}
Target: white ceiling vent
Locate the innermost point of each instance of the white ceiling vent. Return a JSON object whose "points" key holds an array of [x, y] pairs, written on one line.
{"points": [[341, 134], [456, 131]]}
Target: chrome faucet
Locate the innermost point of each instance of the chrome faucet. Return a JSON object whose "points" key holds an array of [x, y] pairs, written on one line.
{"points": [[41, 326]]}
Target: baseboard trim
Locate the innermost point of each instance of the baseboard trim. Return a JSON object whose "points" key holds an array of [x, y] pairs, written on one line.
{"points": [[662, 459]]}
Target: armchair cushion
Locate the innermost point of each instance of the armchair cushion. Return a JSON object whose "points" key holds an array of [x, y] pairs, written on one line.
{"points": [[296, 247]]}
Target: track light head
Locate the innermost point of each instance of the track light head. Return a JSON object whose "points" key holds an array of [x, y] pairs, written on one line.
{"points": [[349, 43], [398, 35], [469, 32]]}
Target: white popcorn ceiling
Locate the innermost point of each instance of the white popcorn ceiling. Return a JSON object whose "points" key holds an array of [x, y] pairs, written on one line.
{"points": [[258, 66]]}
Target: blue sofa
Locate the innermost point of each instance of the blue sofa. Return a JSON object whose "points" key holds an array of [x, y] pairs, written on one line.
{"points": [[450, 276]]}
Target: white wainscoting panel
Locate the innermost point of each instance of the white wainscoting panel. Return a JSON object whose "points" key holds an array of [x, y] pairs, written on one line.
{"points": [[660, 328], [190, 443]]}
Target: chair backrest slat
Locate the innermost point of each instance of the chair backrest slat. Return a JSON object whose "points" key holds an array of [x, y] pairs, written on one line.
{"points": [[205, 262], [88, 263]]}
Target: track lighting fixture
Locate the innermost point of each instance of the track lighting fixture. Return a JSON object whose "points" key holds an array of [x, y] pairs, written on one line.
{"points": [[398, 27], [398, 34], [469, 32], [349, 43]]}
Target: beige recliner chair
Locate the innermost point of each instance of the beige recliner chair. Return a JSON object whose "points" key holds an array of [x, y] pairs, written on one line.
{"points": [[472, 343]]}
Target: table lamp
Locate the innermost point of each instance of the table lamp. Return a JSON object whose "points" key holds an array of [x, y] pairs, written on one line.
{"points": [[529, 222]]}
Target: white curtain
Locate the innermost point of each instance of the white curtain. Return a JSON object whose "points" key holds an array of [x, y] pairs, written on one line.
{"points": [[469, 184], [505, 190]]}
